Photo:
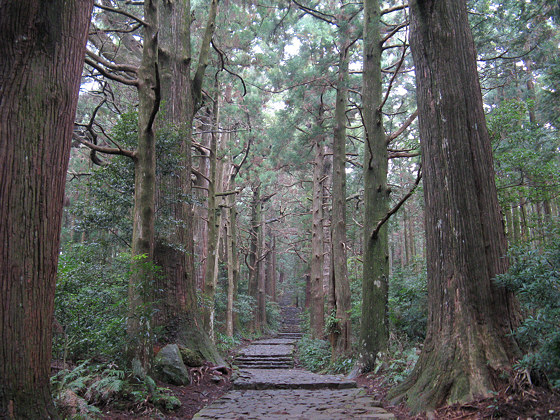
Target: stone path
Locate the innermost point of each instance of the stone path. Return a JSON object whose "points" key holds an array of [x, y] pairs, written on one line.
{"points": [[269, 387]]}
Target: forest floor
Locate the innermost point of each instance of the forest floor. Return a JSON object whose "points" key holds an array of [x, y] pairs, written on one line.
{"points": [[517, 400], [511, 403]]}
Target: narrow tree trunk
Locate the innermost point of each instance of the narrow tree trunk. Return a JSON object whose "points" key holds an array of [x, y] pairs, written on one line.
{"points": [[470, 319], [41, 59], [340, 334], [213, 225], [261, 297], [374, 331], [316, 313], [232, 268], [253, 253]]}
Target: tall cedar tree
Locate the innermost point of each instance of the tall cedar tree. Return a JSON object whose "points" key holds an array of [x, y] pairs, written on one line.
{"points": [[470, 318], [374, 332], [41, 59]]}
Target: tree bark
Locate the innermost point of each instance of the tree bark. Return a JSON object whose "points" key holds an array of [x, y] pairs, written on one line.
{"points": [[470, 319], [209, 290], [41, 59], [316, 305], [141, 286], [178, 313], [253, 259], [340, 334], [374, 330]]}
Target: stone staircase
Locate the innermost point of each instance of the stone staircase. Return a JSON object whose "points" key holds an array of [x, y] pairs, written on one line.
{"points": [[268, 386], [277, 352]]}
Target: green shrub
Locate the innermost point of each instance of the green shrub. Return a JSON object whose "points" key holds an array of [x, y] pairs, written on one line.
{"points": [[314, 354], [80, 391], [534, 276], [91, 302], [408, 302], [273, 315], [225, 343]]}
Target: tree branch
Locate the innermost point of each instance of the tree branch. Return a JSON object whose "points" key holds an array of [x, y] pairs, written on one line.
{"points": [[397, 206], [105, 73], [402, 128], [330, 19], [121, 12]]}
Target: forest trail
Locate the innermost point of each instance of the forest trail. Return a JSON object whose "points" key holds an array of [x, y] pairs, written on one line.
{"points": [[270, 387]]}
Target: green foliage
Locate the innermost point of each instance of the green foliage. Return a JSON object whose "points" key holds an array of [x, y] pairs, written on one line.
{"points": [[313, 354], [408, 301], [535, 278], [398, 366], [332, 323], [90, 302], [273, 315], [96, 385], [525, 155], [225, 343]]}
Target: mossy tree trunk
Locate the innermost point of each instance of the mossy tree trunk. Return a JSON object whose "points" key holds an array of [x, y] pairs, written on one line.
{"points": [[374, 331], [41, 58], [141, 285], [470, 319], [178, 312]]}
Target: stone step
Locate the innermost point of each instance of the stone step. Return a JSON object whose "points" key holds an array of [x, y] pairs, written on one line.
{"points": [[289, 379], [265, 366], [288, 363], [264, 357]]}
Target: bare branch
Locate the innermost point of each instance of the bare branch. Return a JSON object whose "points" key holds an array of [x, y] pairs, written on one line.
{"points": [[107, 150], [402, 128], [121, 12], [110, 65], [108, 75], [393, 32], [397, 206], [317, 14], [392, 81], [394, 9]]}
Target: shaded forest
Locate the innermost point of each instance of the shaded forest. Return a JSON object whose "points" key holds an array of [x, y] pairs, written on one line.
{"points": [[391, 169]]}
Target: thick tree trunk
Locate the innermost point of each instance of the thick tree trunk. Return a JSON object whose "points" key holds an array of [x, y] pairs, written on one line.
{"points": [[41, 59], [178, 314], [141, 287], [374, 331], [317, 303], [340, 334], [470, 319]]}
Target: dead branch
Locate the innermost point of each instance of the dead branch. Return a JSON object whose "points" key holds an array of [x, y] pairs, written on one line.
{"points": [[397, 206]]}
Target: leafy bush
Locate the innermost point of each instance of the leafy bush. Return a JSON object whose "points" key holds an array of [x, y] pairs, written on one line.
{"points": [[225, 343], [90, 302], [314, 354], [408, 301], [273, 315], [534, 276], [399, 365], [80, 391]]}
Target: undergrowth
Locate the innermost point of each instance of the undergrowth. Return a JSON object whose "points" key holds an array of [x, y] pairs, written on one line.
{"points": [[80, 392]]}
